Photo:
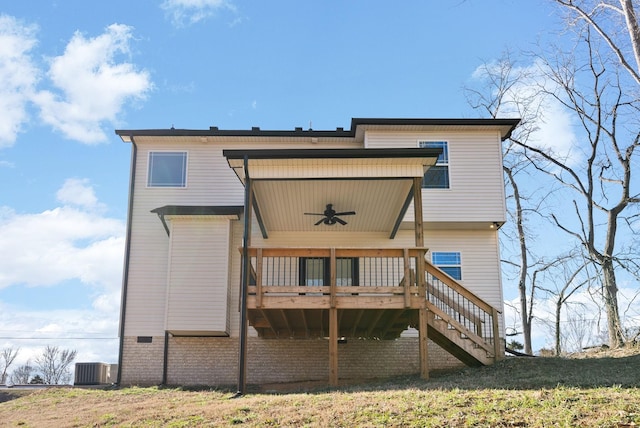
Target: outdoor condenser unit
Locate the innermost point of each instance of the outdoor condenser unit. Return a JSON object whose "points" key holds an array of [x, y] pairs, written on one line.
{"points": [[93, 374]]}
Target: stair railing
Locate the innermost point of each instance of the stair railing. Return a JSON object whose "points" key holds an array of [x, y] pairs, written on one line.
{"points": [[469, 314]]}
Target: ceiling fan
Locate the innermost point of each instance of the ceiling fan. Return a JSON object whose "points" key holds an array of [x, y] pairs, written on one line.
{"points": [[331, 217]]}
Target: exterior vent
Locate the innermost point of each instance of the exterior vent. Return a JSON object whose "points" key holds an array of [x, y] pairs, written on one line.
{"points": [[95, 373]]}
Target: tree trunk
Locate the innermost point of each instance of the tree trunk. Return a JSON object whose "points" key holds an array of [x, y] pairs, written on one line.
{"points": [[633, 28], [557, 332], [522, 279], [610, 295]]}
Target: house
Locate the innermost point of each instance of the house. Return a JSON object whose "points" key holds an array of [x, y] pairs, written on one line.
{"points": [[259, 256]]}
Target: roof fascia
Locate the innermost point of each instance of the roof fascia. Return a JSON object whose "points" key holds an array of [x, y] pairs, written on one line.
{"points": [[331, 153], [508, 125], [212, 210]]}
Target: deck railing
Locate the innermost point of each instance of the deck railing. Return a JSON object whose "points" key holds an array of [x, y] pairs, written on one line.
{"points": [[374, 272], [462, 309]]}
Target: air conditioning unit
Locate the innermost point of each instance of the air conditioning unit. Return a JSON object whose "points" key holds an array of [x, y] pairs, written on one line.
{"points": [[94, 374]]}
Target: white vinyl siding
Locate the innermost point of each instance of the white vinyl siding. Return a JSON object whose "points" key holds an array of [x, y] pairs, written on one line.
{"points": [[476, 192], [198, 276], [211, 182]]}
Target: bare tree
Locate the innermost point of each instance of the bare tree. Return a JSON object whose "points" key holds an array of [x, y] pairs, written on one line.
{"points": [[601, 199], [501, 95], [7, 356], [578, 331], [22, 374], [617, 23], [590, 88], [54, 365], [566, 275]]}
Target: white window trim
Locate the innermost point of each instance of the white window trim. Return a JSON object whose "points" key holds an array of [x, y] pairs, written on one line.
{"points": [[186, 169], [448, 164]]}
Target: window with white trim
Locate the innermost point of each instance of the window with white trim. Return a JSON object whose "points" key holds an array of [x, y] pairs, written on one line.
{"points": [[437, 176], [450, 262], [167, 169]]}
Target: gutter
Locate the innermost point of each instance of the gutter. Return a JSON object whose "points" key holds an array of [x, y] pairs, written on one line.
{"points": [[127, 255]]}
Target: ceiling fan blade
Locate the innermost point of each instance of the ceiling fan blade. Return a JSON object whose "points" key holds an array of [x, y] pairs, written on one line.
{"points": [[339, 220], [320, 221], [346, 213], [313, 214]]}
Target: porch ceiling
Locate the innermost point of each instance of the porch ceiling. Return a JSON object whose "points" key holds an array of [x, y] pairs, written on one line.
{"points": [[378, 203], [286, 184]]}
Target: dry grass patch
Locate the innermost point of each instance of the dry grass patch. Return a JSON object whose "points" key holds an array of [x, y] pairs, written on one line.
{"points": [[537, 392]]}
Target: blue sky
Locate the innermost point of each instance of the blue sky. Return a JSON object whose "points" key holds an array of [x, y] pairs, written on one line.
{"points": [[73, 71]]}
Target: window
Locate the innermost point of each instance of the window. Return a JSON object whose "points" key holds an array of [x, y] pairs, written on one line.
{"points": [[437, 177], [449, 262], [167, 169], [315, 271]]}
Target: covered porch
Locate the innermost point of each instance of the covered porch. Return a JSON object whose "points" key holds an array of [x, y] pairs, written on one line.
{"points": [[338, 293]]}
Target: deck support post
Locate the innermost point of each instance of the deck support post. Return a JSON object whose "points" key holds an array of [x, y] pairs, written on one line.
{"points": [[420, 278], [333, 322], [246, 272], [333, 347], [423, 345]]}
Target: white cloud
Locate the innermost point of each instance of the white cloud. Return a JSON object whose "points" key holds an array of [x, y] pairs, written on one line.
{"points": [[93, 87], [18, 76], [555, 127], [77, 192], [60, 244], [187, 12], [66, 243]]}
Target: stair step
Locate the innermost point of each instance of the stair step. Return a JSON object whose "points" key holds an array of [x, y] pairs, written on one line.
{"points": [[458, 343]]}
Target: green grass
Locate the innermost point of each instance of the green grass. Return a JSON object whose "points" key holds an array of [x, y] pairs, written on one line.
{"points": [[535, 392]]}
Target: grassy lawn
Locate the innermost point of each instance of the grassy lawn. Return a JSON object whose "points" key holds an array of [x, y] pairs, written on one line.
{"points": [[602, 390]]}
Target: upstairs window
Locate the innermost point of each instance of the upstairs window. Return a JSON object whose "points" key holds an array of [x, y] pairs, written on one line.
{"points": [[449, 262], [437, 177], [167, 169]]}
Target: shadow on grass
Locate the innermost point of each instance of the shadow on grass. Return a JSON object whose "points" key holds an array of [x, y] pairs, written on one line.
{"points": [[513, 373], [537, 373]]}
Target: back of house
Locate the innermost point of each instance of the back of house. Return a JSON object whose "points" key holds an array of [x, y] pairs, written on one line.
{"points": [[267, 256]]}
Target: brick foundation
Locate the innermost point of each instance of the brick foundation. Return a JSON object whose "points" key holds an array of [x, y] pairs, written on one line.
{"points": [[214, 360]]}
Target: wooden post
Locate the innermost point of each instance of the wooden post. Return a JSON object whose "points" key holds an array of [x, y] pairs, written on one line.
{"points": [[496, 336], [422, 345], [420, 279], [407, 278], [259, 278], [332, 278], [333, 347], [417, 209]]}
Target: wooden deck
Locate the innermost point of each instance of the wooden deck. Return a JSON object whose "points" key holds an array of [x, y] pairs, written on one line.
{"points": [[384, 299]]}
